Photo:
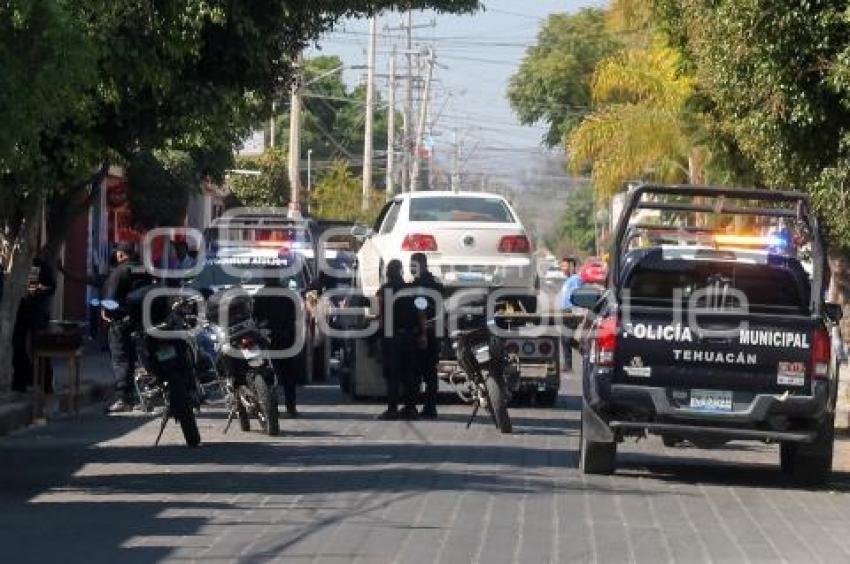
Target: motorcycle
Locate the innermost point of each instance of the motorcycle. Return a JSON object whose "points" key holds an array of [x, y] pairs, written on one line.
{"points": [[486, 374], [239, 353], [165, 367]]}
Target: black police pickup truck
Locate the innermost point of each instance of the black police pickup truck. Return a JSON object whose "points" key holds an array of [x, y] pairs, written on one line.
{"points": [[713, 327]]}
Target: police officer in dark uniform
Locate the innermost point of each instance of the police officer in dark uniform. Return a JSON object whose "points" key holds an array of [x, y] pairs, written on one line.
{"points": [[428, 343], [277, 314], [398, 326], [117, 286]]}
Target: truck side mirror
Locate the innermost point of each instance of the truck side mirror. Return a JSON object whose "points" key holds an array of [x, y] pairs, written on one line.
{"points": [[834, 312], [361, 232], [586, 297]]}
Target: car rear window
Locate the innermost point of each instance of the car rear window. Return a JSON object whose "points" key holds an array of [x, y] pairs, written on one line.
{"points": [[488, 210], [768, 288]]}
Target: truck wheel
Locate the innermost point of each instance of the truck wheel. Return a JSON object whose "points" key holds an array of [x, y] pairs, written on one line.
{"points": [[596, 457], [810, 464]]}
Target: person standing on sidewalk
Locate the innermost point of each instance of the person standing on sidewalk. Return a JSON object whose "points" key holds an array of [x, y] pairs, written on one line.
{"points": [[118, 284], [398, 321], [33, 315], [428, 342]]}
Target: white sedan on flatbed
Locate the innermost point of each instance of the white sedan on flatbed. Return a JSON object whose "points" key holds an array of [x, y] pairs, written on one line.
{"points": [[472, 239]]}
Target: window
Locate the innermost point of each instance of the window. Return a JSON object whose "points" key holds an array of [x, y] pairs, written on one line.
{"points": [[381, 217], [392, 218], [488, 210], [768, 288]]}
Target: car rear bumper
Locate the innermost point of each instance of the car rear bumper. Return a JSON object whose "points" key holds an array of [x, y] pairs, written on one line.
{"points": [[657, 403], [508, 272]]}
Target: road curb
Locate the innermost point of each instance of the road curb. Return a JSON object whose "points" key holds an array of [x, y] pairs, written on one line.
{"points": [[16, 415]]}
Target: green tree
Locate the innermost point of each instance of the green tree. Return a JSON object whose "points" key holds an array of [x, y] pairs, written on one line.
{"points": [[157, 195], [639, 128], [338, 195], [89, 82], [553, 82], [575, 232], [779, 78], [269, 188]]}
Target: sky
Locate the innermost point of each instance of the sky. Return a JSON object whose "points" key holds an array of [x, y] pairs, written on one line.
{"points": [[476, 55]]}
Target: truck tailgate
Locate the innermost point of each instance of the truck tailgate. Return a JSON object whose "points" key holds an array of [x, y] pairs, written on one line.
{"points": [[756, 353]]}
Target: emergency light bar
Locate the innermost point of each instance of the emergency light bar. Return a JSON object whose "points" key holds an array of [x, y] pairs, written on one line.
{"points": [[749, 240]]}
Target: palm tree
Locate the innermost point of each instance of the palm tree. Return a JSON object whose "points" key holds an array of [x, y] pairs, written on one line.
{"points": [[639, 128]]}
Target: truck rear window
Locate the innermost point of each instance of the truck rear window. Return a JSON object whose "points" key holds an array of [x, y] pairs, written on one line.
{"points": [[767, 288], [490, 210]]}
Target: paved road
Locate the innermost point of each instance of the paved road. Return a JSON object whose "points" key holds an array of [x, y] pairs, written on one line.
{"points": [[341, 487]]}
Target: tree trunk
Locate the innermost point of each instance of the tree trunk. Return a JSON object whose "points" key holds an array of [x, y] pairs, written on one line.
{"points": [[21, 249]]}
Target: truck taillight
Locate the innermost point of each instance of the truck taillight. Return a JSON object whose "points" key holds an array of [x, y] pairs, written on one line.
{"points": [[821, 353], [514, 244], [606, 341], [418, 242]]}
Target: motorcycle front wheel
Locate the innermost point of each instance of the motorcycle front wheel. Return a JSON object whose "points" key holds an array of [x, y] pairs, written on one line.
{"points": [[181, 409], [266, 405], [497, 405]]}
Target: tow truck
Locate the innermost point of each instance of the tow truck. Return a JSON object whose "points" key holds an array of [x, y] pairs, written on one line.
{"points": [[712, 327]]}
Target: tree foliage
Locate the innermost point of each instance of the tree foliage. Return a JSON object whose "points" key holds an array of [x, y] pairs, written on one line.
{"points": [[269, 188], [575, 231], [339, 195], [157, 195], [639, 129], [553, 82], [89, 82], [778, 75]]}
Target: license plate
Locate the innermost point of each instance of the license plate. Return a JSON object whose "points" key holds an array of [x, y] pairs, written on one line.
{"points": [[470, 276], [711, 400], [534, 371], [165, 353]]}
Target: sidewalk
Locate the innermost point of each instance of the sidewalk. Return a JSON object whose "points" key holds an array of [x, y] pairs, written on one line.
{"points": [[96, 384]]}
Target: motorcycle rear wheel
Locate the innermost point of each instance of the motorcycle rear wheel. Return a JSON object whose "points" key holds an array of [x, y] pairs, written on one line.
{"points": [[497, 405], [181, 409], [267, 405]]}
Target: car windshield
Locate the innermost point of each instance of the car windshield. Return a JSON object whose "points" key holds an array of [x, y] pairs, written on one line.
{"points": [[240, 270], [488, 210]]}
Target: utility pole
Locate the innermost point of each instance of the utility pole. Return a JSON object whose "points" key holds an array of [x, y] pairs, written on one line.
{"points": [[408, 106], [456, 163], [295, 142], [370, 117], [420, 128], [391, 131]]}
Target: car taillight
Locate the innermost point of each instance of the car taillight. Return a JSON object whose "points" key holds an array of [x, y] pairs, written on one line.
{"points": [[606, 341], [418, 242], [821, 353], [545, 348], [514, 244], [247, 343]]}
